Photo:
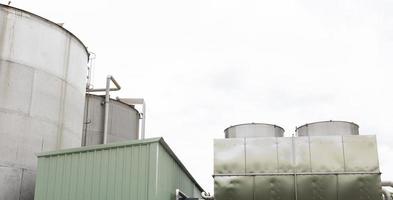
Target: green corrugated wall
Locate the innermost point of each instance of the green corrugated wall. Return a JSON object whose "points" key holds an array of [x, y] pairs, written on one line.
{"points": [[137, 170]]}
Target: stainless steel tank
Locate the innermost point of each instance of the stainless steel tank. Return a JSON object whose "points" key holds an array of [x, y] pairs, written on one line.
{"points": [[331, 167], [325, 128], [123, 121], [42, 93], [254, 130]]}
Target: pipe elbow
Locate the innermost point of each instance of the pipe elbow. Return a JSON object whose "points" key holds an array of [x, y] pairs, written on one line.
{"points": [[207, 196]]}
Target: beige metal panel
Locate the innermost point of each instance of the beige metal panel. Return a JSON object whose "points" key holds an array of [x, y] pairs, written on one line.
{"points": [[361, 153], [261, 155], [285, 155], [321, 187], [364, 187], [327, 154], [234, 188], [302, 154], [274, 188], [229, 156]]}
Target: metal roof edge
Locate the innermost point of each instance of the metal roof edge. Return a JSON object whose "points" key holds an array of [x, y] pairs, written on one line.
{"points": [[254, 123], [173, 155], [325, 121], [114, 100], [97, 147], [159, 140]]}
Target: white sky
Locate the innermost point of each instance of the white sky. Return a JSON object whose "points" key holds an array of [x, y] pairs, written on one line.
{"points": [[203, 65]]}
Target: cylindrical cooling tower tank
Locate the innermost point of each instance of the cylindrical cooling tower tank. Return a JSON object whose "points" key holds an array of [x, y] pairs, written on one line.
{"points": [[123, 121], [325, 128], [42, 94], [254, 130]]}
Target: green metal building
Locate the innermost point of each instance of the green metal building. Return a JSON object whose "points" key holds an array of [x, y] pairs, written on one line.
{"points": [[134, 170]]}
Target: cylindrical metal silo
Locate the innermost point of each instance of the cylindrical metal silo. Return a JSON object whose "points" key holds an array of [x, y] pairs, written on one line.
{"points": [[254, 130], [42, 93], [326, 128], [123, 123]]}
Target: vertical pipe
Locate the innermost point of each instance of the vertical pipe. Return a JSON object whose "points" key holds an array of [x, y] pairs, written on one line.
{"points": [[85, 121], [106, 119], [143, 120], [386, 194], [142, 116]]}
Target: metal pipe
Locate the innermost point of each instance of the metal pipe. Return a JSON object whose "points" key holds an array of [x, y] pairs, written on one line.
{"points": [[134, 101], [108, 78], [107, 99], [387, 195], [107, 90], [143, 120], [207, 196]]}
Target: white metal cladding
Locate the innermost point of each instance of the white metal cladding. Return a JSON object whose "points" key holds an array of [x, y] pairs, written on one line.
{"points": [[321, 167], [42, 91]]}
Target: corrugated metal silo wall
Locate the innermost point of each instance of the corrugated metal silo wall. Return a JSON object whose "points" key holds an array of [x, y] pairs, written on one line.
{"points": [[140, 170]]}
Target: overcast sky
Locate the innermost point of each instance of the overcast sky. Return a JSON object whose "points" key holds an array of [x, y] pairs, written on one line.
{"points": [[203, 65]]}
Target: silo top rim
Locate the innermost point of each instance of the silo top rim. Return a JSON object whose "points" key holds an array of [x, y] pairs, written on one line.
{"points": [[49, 21], [115, 100], [326, 122], [244, 124]]}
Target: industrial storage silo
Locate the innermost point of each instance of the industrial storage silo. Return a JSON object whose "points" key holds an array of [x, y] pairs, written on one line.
{"points": [[42, 93], [123, 123]]}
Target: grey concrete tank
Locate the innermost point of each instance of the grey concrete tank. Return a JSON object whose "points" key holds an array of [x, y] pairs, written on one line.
{"points": [[325, 128], [254, 130], [42, 93], [123, 121]]}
